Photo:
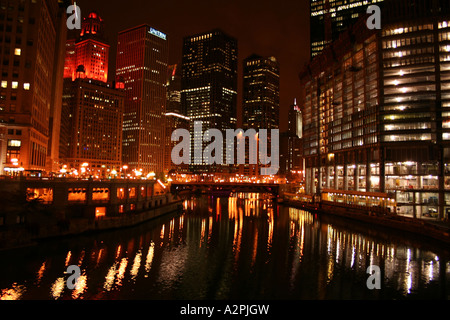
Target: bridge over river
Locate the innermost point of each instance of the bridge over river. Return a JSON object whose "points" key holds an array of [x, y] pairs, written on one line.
{"points": [[225, 187]]}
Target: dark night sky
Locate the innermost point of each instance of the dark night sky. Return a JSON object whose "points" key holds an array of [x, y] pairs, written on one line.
{"points": [[264, 27]]}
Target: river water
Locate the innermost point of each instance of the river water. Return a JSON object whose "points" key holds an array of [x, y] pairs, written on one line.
{"points": [[240, 247]]}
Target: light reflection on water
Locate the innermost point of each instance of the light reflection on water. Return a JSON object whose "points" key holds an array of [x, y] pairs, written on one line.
{"points": [[244, 246]]}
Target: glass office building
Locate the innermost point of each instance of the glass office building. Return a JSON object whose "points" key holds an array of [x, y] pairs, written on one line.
{"points": [[209, 88], [377, 113], [329, 18]]}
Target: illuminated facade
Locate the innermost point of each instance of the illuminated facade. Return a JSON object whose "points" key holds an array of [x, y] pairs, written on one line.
{"points": [[174, 118], [260, 100], [88, 50], [30, 34], [209, 84], [142, 62], [291, 144], [375, 114], [92, 127], [329, 18], [174, 89], [261, 93]]}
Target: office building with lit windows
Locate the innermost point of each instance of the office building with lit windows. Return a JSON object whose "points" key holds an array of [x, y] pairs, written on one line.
{"points": [[91, 123], [329, 18], [141, 63], [174, 89], [291, 144], [260, 100], [91, 130], [376, 113], [30, 31], [174, 118], [209, 87]]}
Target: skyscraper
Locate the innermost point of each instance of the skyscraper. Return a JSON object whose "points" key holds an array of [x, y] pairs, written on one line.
{"points": [[88, 51], [174, 89], [209, 84], [174, 118], [142, 61], [292, 143], [29, 37], [261, 100], [94, 113], [376, 113], [92, 108], [330, 18], [261, 93]]}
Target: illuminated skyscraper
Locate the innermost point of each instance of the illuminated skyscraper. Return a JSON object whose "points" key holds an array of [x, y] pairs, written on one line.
{"points": [[91, 130], [376, 113], [291, 144], [30, 34], [261, 93], [261, 99], [174, 118], [142, 62], [209, 84], [330, 17], [174, 89], [92, 108], [88, 50]]}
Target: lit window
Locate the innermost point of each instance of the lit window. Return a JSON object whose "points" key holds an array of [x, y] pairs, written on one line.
{"points": [[17, 51], [26, 86], [100, 212], [14, 143], [15, 84], [4, 84]]}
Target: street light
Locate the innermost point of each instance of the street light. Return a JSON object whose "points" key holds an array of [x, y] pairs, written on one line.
{"points": [[124, 170]]}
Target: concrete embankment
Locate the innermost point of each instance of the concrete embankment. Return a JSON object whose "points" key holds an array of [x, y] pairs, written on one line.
{"points": [[26, 235]]}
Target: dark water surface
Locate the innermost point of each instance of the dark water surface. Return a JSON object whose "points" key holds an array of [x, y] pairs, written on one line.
{"points": [[241, 247]]}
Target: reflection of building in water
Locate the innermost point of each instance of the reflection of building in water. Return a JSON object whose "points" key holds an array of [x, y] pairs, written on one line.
{"points": [[402, 267], [292, 252]]}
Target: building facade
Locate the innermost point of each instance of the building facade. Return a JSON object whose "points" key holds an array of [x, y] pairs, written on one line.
{"points": [[28, 43], [329, 18], [291, 145], [174, 118], [375, 113], [142, 62], [260, 101], [209, 87], [174, 89], [87, 54], [91, 138]]}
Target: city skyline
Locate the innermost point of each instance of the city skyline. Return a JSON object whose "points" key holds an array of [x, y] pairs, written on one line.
{"points": [[178, 151], [263, 29]]}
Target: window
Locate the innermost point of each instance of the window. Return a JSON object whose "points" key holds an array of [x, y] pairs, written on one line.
{"points": [[26, 86], [4, 84], [17, 52], [14, 143], [15, 84]]}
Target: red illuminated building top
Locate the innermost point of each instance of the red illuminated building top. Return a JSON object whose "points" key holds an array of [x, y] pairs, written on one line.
{"points": [[87, 56]]}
